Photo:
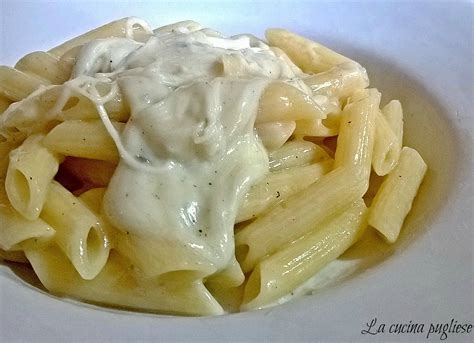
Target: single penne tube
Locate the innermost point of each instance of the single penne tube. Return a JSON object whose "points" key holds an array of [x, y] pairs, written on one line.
{"points": [[275, 134], [86, 139], [297, 215], [120, 283], [393, 114], [16, 85], [283, 102], [126, 27], [356, 138], [296, 153], [31, 169], [79, 232], [395, 196], [45, 66], [310, 56], [386, 147], [339, 81], [15, 229], [278, 186], [288, 268]]}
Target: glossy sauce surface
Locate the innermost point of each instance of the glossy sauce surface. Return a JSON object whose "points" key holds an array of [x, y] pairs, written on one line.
{"points": [[189, 151]]}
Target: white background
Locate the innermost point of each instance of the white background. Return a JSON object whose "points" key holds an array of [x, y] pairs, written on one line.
{"points": [[419, 52]]}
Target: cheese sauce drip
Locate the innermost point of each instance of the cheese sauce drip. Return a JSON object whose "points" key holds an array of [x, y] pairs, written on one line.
{"points": [[189, 151]]}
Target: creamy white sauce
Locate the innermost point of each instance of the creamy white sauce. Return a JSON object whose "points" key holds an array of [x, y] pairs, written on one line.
{"points": [[189, 151]]}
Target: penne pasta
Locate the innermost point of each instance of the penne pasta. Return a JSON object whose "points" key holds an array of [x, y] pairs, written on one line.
{"points": [[282, 102], [278, 186], [294, 217], [79, 231], [310, 56], [393, 114], [274, 134], [30, 170], [282, 272], [386, 147], [357, 134], [86, 139], [16, 85], [230, 277], [318, 127], [126, 27], [296, 153], [143, 251], [45, 66], [93, 198], [182, 171], [340, 81], [120, 283], [395, 196], [15, 230]]}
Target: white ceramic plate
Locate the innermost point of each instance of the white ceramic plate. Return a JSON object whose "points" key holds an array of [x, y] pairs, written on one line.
{"points": [[419, 53]]}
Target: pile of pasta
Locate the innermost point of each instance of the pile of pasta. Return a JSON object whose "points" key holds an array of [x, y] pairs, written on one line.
{"points": [[311, 207]]}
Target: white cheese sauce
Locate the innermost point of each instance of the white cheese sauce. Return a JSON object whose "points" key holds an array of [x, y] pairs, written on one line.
{"points": [[189, 151]]}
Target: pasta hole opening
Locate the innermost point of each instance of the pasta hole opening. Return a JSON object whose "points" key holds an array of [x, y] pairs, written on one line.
{"points": [[253, 286], [241, 252], [72, 102], [94, 244], [22, 186], [137, 27], [139, 32]]}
